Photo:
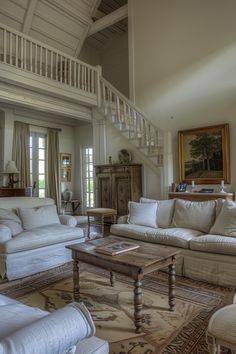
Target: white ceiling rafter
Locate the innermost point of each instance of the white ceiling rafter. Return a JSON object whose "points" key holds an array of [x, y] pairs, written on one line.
{"points": [[109, 20], [86, 30], [29, 16], [95, 7]]}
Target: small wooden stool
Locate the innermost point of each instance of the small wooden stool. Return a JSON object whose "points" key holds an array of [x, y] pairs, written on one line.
{"points": [[101, 213], [221, 330]]}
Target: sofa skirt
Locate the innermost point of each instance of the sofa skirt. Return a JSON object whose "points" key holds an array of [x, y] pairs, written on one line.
{"points": [[21, 264]]}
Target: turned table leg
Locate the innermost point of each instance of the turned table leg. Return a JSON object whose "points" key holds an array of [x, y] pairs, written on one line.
{"points": [[76, 280], [138, 304], [172, 285], [112, 278]]}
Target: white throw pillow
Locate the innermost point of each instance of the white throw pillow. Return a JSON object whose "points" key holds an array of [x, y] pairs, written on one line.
{"points": [[143, 214], [194, 215], [37, 217], [11, 220], [165, 211], [225, 223]]}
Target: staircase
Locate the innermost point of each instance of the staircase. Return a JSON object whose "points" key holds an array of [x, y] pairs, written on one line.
{"points": [[132, 124], [78, 79]]}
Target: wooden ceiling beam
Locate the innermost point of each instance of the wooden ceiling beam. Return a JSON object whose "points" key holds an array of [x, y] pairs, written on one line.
{"points": [[108, 20]]}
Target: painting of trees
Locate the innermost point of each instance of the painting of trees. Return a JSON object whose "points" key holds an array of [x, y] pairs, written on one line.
{"points": [[204, 154], [205, 147]]}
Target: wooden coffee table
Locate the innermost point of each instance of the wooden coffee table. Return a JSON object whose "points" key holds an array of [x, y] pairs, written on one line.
{"points": [[146, 259]]}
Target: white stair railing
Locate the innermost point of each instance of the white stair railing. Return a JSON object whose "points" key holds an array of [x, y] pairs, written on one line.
{"points": [[30, 55], [132, 122]]}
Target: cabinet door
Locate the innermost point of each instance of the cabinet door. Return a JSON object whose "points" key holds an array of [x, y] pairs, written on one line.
{"points": [[121, 193], [104, 191]]}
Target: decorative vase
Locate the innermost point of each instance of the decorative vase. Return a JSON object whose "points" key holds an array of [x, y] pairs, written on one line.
{"points": [[67, 195]]}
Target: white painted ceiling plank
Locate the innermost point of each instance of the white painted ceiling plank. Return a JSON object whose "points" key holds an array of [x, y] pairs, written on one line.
{"points": [[22, 3], [63, 30], [109, 20], [60, 4], [29, 16]]}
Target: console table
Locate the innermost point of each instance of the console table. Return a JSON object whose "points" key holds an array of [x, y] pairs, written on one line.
{"points": [[200, 197], [16, 192]]}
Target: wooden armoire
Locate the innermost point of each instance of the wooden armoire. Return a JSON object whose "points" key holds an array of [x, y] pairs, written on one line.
{"points": [[118, 184]]}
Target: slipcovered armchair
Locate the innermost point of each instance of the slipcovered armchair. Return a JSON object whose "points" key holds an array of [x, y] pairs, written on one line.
{"points": [[29, 330]]}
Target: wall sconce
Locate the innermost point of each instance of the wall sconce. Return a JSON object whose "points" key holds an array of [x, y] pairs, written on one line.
{"points": [[11, 169]]}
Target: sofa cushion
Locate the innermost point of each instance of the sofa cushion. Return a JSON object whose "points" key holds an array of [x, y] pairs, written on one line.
{"points": [[194, 215], [11, 220], [165, 210], [37, 217], [225, 223], [41, 237], [214, 244], [178, 237], [142, 214]]}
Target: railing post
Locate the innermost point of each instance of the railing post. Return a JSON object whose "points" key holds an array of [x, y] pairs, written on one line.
{"points": [[99, 75]]}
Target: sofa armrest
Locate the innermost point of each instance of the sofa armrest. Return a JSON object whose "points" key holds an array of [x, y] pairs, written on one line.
{"points": [[5, 233], [68, 220], [55, 333], [122, 219]]}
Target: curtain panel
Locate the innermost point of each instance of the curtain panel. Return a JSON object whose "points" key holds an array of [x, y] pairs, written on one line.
{"points": [[53, 172], [20, 152]]}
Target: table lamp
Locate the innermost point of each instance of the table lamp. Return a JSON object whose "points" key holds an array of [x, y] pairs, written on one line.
{"points": [[11, 169]]}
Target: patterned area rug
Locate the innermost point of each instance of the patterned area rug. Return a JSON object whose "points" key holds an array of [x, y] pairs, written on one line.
{"points": [[181, 332]]}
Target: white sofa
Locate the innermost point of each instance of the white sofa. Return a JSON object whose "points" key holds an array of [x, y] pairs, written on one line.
{"points": [[33, 237], [29, 330], [205, 232]]}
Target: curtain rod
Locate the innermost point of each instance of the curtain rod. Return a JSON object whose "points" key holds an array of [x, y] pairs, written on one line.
{"points": [[41, 126]]}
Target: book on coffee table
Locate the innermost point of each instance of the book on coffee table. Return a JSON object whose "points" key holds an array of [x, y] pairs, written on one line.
{"points": [[116, 247]]}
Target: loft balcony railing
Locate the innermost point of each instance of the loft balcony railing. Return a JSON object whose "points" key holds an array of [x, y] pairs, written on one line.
{"points": [[25, 53]]}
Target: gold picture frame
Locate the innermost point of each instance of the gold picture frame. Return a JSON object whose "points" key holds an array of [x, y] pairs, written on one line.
{"points": [[65, 160], [204, 155], [65, 167]]}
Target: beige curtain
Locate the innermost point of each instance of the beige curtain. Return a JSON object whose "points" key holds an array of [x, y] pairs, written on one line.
{"points": [[53, 173], [20, 152]]}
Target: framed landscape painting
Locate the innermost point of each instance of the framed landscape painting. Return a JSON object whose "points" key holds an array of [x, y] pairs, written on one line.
{"points": [[204, 155]]}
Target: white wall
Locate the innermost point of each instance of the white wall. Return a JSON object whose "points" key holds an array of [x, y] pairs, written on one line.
{"points": [[113, 58], [183, 57], [114, 62], [66, 138]]}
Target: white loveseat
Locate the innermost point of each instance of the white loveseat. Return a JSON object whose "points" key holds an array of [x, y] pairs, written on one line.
{"points": [[205, 232], [33, 237], [29, 330]]}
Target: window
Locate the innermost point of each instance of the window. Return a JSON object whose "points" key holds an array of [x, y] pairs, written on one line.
{"points": [[38, 163], [88, 177]]}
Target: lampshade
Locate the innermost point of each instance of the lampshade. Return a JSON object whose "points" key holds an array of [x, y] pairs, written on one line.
{"points": [[11, 167]]}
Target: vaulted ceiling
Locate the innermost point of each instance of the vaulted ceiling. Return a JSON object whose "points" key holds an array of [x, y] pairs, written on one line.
{"points": [[65, 24]]}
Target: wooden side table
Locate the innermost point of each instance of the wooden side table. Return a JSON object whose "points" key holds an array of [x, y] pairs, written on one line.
{"points": [[73, 204], [101, 214]]}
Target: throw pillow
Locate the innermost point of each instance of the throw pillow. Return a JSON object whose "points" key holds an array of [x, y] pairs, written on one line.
{"points": [[11, 220], [194, 215], [225, 223], [165, 210], [36, 217], [143, 214]]}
